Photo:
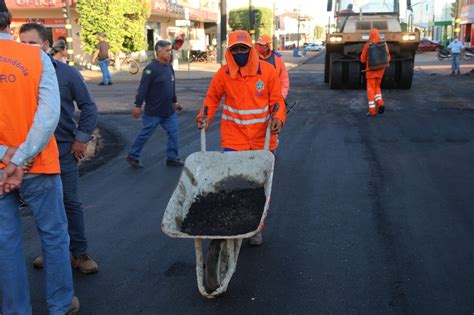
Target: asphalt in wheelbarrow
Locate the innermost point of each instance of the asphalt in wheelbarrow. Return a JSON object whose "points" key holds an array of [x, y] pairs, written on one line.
{"points": [[226, 212]]}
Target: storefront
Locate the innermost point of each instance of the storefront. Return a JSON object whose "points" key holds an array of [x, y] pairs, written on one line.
{"points": [[160, 25], [46, 12], [467, 19], [202, 29]]}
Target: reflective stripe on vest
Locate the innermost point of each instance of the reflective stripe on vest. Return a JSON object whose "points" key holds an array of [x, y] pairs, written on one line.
{"points": [[244, 114], [246, 111], [246, 122]]}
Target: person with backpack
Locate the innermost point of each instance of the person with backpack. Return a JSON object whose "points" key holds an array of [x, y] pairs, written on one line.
{"points": [[376, 56]]}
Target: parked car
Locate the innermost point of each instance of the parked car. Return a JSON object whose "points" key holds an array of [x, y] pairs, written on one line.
{"points": [[428, 45], [314, 47], [290, 45]]}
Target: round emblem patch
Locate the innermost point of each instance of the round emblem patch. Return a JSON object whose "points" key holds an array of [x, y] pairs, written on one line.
{"points": [[260, 85]]}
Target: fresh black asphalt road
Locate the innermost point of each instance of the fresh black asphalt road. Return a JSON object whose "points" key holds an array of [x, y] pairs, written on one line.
{"points": [[368, 216]]}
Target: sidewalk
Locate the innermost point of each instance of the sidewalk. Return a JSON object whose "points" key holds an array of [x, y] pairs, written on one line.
{"points": [[197, 70]]}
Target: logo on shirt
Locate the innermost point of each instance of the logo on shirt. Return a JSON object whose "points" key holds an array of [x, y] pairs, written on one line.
{"points": [[148, 71], [7, 78], [260, 85]]}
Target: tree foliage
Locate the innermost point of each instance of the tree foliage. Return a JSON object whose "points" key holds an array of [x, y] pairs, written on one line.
{"points": [[122, 21], [138, 12], [239, 20]]}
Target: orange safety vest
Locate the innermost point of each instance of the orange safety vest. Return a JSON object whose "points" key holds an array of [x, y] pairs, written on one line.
{"points": [[20, 75]]}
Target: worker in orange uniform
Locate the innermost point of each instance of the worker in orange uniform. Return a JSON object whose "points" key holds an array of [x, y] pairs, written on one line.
{"points": [[265, 52], [376, 56], [252, 90]]}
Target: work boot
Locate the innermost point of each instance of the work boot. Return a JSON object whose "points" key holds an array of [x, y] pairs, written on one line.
{"points": [[85, 264], [38, 262], [381, 109], [256, 240], [74, 306], [133, 162], [174, 162]]}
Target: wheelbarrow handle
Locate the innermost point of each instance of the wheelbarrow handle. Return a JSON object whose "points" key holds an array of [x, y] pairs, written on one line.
{"points": [[268, 134], [203, 130]]}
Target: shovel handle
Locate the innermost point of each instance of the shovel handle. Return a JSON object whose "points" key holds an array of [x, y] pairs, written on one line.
{"points": [[268, 134], [203, 130]]}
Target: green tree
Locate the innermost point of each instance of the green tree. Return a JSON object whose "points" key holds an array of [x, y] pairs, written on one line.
{"points": [[101, 16], [122, 21], [319, 32], [239, 20], [136, 15]]}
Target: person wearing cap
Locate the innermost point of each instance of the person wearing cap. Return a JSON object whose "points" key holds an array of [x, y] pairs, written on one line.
{"points": [[102, 54], [265, 52], [72, 142], [29, 86], [251, 90], [58, 51]]}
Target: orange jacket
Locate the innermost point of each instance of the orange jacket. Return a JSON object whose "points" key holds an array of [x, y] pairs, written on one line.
{"points": [[20, 71], [374, 37], [251, 92], [276, 60]]}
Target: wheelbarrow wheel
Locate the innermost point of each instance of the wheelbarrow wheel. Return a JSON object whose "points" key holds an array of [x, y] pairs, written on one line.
{"points": [[217, 262]]}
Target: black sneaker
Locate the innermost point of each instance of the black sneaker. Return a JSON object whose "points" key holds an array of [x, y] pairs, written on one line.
{"points": [[175, 162], [102, 84], [381, 109], [133, 162], [110, 83]]}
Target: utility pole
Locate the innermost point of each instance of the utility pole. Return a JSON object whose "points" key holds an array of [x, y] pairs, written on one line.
{"points": [[67, 15], [252, 20], [221, 31]]}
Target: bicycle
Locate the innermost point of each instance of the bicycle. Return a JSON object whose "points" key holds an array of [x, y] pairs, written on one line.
{"points": [[132, 64]]}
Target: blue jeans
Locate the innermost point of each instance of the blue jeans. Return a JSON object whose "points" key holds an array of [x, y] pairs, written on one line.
{"points": [[44, 195], [455, 58], [170, 124], [72, 204], [104, 67]]}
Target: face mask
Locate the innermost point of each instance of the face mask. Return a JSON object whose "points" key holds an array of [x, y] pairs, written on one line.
{"points": [[262, 50], [241, 58]]}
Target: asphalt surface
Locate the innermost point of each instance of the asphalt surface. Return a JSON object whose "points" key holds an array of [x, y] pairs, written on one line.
{"points": [[367, 215]]}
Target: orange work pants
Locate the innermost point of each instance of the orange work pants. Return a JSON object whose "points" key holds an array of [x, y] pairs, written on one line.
{"points": [[374, 94]]}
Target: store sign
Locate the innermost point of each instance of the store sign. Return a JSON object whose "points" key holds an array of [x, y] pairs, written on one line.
{"points": [[33, 4], [167, 7], [41, 21]]}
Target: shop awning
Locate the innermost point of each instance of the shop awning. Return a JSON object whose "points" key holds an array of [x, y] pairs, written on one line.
{"points": [[443, 23]]}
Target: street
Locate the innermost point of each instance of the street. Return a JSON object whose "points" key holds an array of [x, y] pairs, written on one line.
{"points": [[368, 215]]}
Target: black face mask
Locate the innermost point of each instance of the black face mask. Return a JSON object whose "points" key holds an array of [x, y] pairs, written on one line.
{"points": [[241, 58]]}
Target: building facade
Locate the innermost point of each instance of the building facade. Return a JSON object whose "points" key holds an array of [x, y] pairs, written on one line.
{"points": [[163, 23], [467, 19]]}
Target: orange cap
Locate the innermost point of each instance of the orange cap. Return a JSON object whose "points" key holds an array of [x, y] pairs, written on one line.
{"points": [[240, 37], [264, 40]]}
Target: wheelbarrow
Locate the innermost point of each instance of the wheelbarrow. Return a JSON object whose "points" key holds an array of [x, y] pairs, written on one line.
{"points": [[203, 173]]}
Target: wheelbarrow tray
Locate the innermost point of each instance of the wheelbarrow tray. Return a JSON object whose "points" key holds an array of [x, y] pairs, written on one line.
{"points": [[203, 172]]}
